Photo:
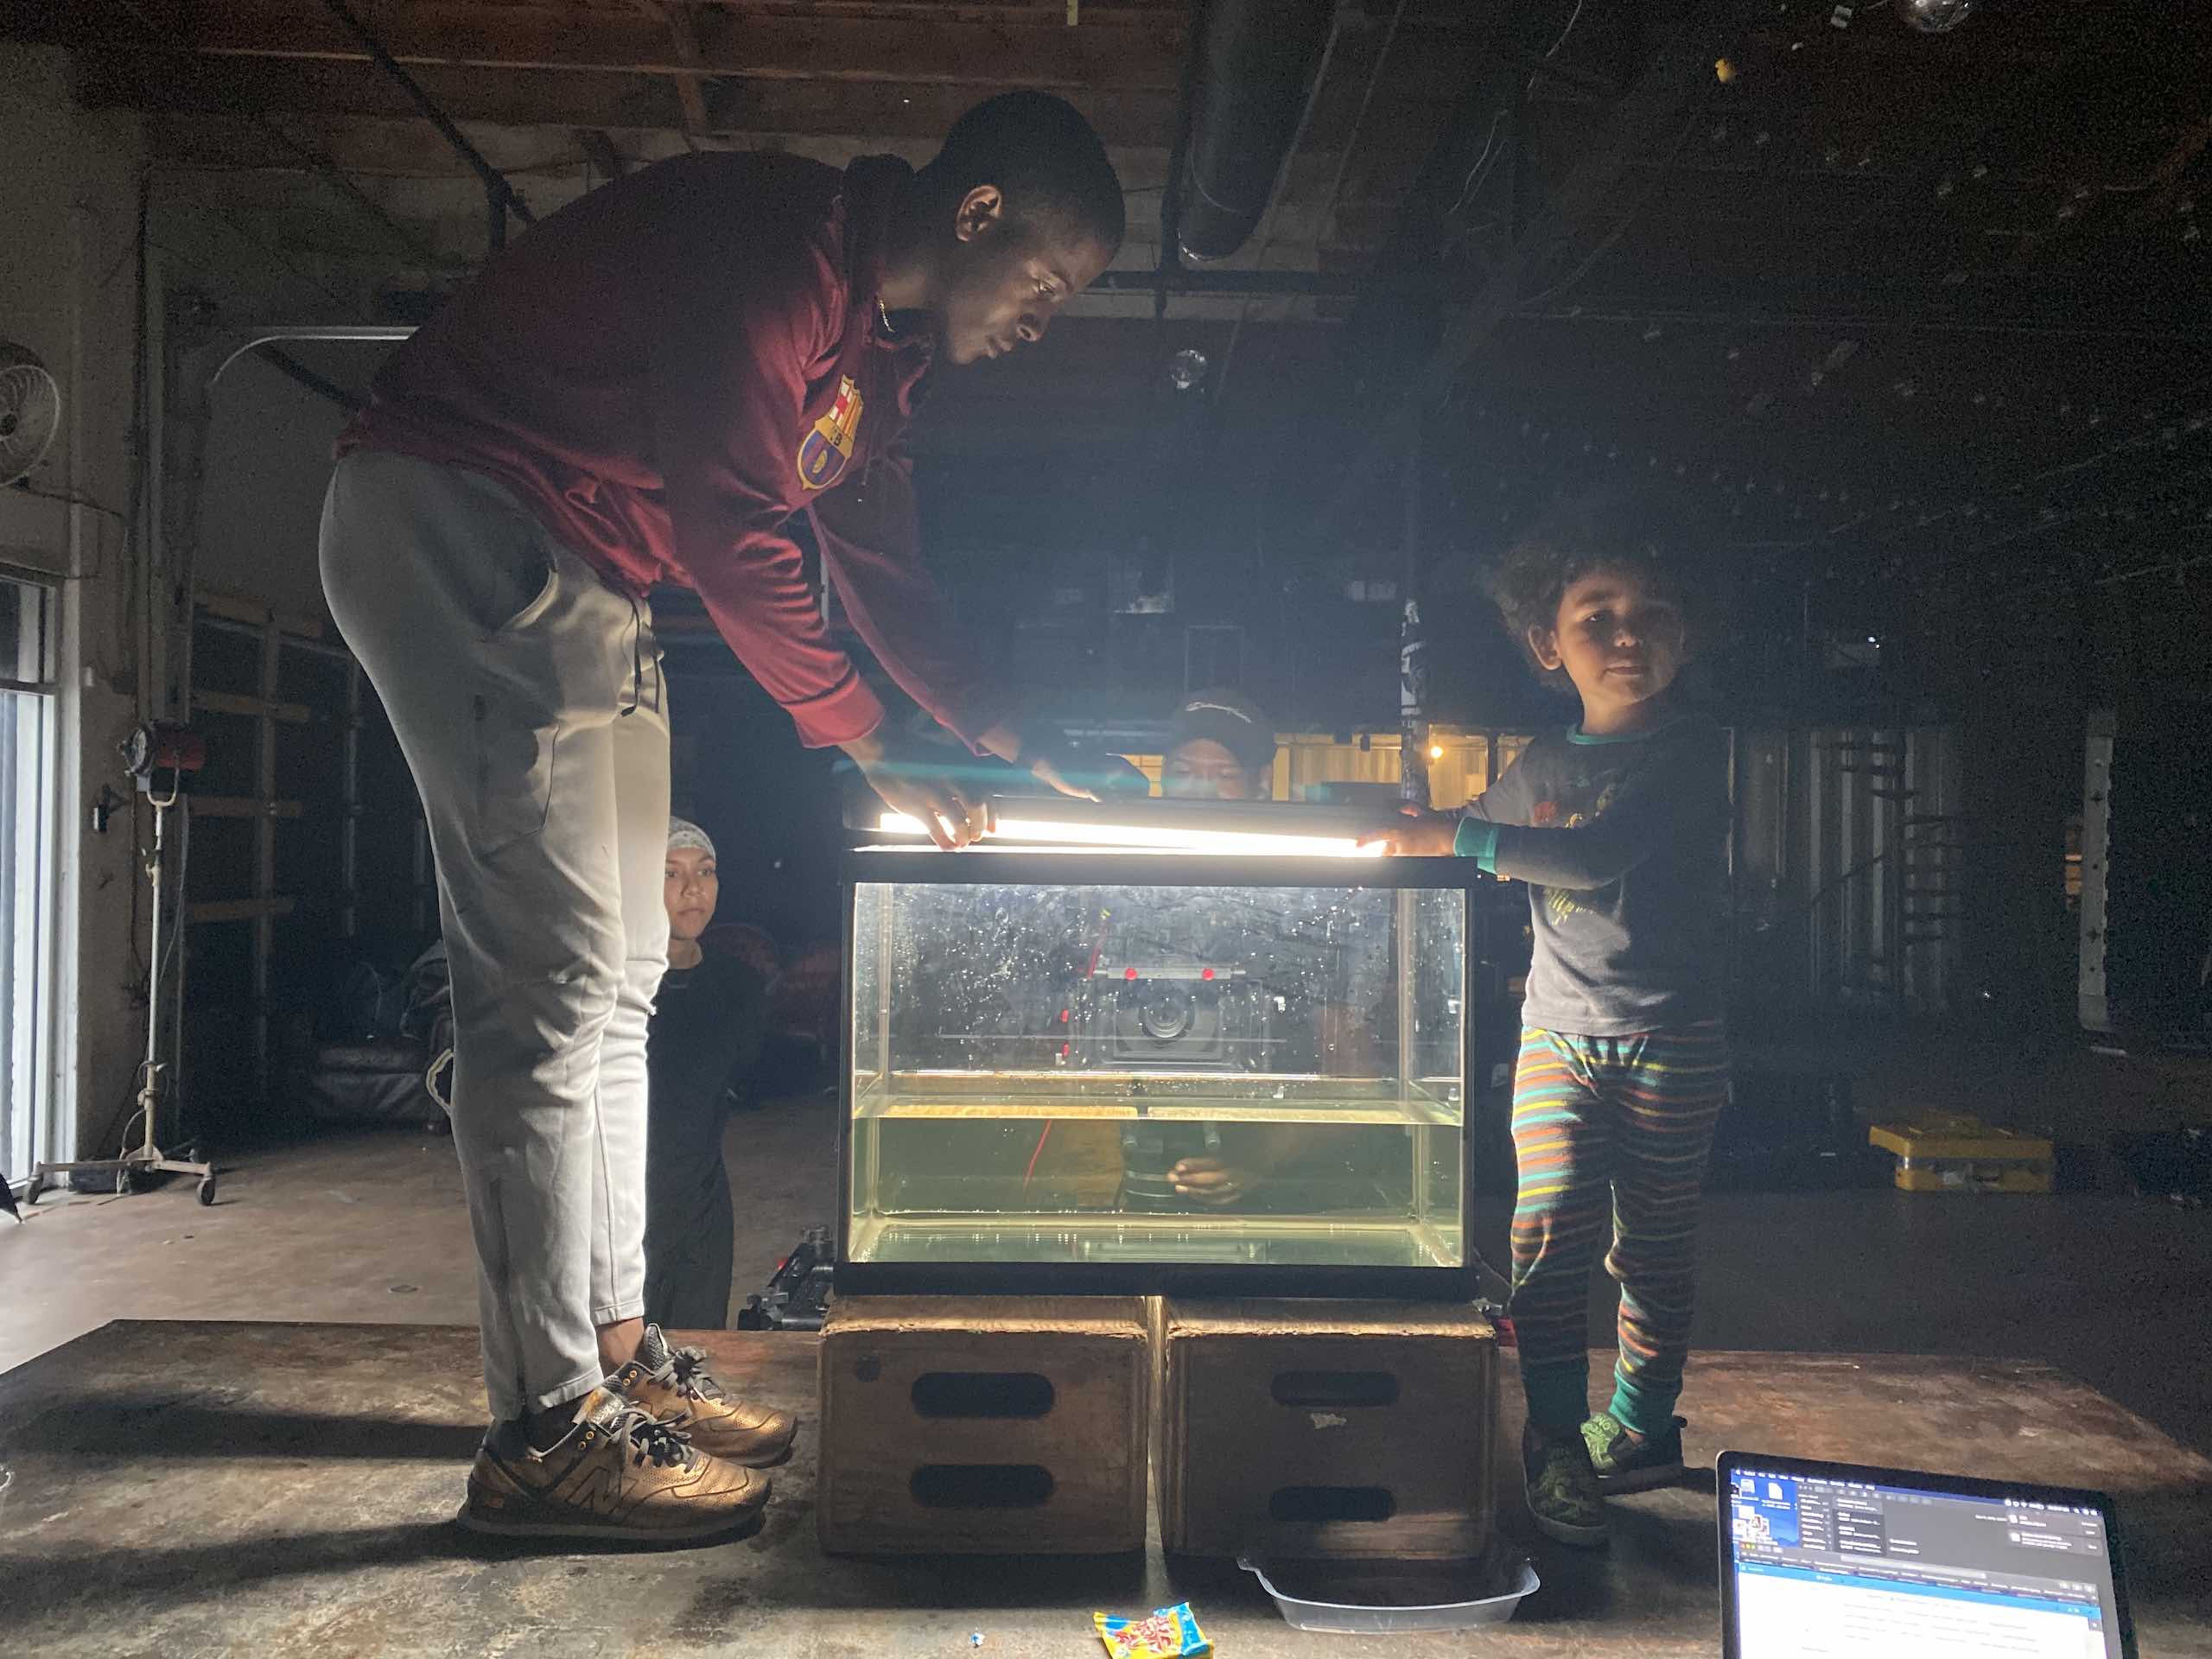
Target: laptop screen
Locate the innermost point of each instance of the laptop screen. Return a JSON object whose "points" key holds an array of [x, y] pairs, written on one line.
{"points": [[1829, 1564]]}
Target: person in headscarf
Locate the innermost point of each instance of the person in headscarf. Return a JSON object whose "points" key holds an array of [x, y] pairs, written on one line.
{"points": [[708, 1027]]}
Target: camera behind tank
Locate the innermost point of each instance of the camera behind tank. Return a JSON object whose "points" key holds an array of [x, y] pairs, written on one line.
{"points": [[1174, 1014]]}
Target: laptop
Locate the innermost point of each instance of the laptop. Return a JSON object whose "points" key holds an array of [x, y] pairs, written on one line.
{"points": [[1834, 1560]]}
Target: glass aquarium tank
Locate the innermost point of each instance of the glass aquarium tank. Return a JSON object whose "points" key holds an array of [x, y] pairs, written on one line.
{"points": [[1155, 1047]]}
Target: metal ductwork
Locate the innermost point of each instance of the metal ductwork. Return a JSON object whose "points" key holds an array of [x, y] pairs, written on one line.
{"points": [[1257, 64]]}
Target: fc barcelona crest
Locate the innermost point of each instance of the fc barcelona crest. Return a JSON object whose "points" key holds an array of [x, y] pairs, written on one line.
{"points": [[824, 451]]}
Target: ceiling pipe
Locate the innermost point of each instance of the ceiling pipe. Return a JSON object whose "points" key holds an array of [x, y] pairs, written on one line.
{"points": [[1258, 60], [1170, 265]]}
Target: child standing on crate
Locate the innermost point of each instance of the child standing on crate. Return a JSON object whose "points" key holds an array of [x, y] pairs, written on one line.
{"points": [[1619, 823]]}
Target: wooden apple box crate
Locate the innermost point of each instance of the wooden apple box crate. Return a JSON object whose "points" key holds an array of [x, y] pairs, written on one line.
{"points": [[984, 1425], [1326, 1429]]}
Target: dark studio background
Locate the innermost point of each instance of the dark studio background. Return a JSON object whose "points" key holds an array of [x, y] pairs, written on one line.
{"points": [[1900, 339]]}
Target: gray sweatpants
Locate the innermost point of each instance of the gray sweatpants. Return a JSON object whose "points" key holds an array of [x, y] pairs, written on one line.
{"points": [[527, 696]]}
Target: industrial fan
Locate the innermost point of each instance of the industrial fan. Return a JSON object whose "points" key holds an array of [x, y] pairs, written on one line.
{"points": [[30, 411]]}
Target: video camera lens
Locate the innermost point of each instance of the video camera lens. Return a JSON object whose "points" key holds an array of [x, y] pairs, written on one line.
{"points": [[1165, 1011]]}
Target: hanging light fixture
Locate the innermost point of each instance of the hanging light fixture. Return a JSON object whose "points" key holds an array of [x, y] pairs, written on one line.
{"points": [[1020, 824]]}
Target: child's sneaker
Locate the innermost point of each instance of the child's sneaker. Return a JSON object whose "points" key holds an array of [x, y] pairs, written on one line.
{"points": [[1563, 1496], [1626, 1462]]}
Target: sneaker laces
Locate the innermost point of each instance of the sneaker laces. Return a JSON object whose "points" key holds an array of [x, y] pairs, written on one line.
{"points": [[649, 1440], [685, 1370]]}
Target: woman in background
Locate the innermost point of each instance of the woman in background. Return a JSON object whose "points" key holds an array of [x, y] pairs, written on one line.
{"points": [[707, 1026]]}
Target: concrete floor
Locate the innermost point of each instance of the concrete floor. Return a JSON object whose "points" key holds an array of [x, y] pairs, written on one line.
{"points": [[179, 1487], [268, 1488], [367, 1226], [370, 1227]]}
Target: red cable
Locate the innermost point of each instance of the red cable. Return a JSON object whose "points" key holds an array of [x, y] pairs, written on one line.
{"points": [[1097, 950], [1035, 1156]]}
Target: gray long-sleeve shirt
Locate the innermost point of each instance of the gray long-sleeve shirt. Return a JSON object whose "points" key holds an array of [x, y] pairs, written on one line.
{"points": [[1623, 844]]}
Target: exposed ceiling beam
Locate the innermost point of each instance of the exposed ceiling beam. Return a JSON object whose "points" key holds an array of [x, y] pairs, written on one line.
{"points": [[757, 45], [500, 191], [685, 40], [376, 147], [737, 106], [888, 72]]}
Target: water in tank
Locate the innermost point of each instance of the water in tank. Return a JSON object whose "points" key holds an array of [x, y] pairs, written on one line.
{"points": [[1143, 1080]]}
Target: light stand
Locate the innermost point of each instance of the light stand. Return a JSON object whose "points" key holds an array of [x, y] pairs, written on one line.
{"points": [[151, 751]]}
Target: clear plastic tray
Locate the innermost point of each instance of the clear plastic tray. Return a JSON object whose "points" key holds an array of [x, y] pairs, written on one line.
{"points": [[1393, 1598]]}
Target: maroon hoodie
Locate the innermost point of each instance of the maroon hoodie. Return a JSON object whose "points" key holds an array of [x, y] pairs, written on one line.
{"points": [[669, 368]]}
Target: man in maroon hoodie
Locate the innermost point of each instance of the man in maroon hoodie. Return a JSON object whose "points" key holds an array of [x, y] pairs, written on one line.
{"points": [[643, 389]]}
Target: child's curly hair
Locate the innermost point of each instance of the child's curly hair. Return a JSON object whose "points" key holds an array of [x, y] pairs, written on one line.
{"points": [[1565, 545]]}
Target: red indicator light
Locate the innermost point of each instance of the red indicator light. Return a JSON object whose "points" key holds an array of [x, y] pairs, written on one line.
{"points": [[1207, 975], [1064, 1016], [1128, 973]]}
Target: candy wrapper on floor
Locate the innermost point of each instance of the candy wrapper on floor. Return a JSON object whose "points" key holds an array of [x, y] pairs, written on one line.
{"points": [[1169, 1633]]}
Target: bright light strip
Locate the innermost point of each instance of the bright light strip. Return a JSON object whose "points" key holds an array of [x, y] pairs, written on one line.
{"points": [[1154, 838]]}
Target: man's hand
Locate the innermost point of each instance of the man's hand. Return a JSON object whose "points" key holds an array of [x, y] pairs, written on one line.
{"points": [[914, 781], [1419, 833]]}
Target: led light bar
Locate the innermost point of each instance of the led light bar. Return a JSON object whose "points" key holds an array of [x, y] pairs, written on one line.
{"points": [[1046, 833]]}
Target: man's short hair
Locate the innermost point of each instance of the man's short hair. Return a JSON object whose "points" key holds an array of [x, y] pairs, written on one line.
{"points": [[1043, 155]]}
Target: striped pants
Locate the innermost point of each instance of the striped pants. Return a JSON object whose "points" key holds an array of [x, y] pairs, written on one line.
{"points": [[1630, 1119]]}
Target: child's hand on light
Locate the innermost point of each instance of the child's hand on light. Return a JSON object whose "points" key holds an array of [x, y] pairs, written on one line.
{"points": [[1419, 833]]}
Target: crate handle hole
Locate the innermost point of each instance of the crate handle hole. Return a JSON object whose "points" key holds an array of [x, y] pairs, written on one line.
{"points": [[982, 1394], [981, 1485], [1316, 1504], [1310, 1390]]}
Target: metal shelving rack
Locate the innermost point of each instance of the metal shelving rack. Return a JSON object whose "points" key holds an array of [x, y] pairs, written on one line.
{"points": [[272, 634], [282, 797]]}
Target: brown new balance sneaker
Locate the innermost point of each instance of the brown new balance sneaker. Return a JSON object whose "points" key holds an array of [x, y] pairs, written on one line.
{"points": [[618, 1474], [676, 1386]]}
